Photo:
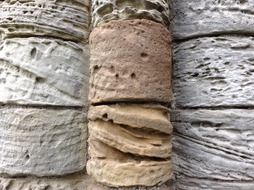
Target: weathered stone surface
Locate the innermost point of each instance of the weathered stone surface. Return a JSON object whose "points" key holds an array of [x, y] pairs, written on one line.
{"points": [[126, 149], [42, 142], [208, 17], [107, 10], [61, 19], [184, 183], [130, 140], [150, 117], [130, 61], [214, 145], [72, 182], [39, 71], [214, 71], [114, 168]]}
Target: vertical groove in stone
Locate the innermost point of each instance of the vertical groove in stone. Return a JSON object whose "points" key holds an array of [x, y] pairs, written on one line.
{"points": [[213, 94], [43, 88], [129, 131]]}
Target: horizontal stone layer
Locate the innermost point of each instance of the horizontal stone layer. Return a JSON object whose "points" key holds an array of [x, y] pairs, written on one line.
{"points": [[214, 71], [127, 146], [124, 128], [107, 10], [184, 182], [131, 141], [130, 61], [208, 17], [42, 142], [36, 71], [114, 168], [149, 117], [214, 144], [61, 19], [72, 182]]}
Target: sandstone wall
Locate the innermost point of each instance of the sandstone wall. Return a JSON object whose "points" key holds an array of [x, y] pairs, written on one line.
{"points": [[213, 98]]}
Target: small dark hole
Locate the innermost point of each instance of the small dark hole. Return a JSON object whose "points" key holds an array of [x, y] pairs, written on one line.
{"points": [[133, 75], [144, 54], [105, 115]]}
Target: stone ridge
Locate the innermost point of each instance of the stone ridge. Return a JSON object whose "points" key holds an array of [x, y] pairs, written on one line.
{"points": [[43, 72], [107, 10], [125, 155], [130, 61], [68, 20], [42, 141]]}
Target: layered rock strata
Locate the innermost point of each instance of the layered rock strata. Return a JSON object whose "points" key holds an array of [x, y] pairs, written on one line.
{"points": [[130, 145], [43, 90], [213, 95], [129, 131], [107, 10], [67, 20]]}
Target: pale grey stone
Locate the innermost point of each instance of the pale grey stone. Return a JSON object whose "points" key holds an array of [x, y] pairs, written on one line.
{"points": [[42, 142], [186, 183], [192, 18], [39, 71], [214, 145], [60, 19], [214, 71]]}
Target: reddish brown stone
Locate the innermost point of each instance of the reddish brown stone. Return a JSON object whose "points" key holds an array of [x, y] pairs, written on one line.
{"points": [[130, 61]]}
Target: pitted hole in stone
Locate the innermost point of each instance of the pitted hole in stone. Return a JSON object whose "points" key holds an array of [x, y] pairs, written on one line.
{"points": [[96, 69], [133, 75], [105, 116], [144, 56], [117, 76], [33, 53]]}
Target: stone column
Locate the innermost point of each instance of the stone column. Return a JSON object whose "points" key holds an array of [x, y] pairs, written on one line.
{"points": [[130, 89], [43, 90], [213, 94]]}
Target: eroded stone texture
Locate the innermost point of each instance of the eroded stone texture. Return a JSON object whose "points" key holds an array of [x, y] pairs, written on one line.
{"points": [[127, 150], [42, 142], [107, 10], [214, 145], [38, 71], [60, 19], [130, 61], [214, 71], [208, 17], [184, 183], [72, 182], [114, 168]]}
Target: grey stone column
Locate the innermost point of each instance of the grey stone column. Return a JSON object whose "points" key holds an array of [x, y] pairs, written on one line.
{"points": [[43, 90], [213, 94]]}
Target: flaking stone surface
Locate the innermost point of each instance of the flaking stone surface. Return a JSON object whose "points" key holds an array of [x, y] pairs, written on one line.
{"points": [[125, 149], [107, 10], [35, 71], [42, 142], [63, 19], [114, 168], [130, 61]]}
